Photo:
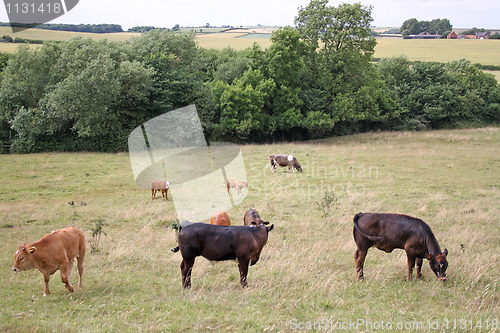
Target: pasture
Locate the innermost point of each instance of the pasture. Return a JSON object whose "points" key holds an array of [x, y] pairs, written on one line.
{"points": [[306, 273]]}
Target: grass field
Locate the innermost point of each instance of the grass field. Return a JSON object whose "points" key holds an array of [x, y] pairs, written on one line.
{"points": [[306, 271], [485, 52], [478, 51]]}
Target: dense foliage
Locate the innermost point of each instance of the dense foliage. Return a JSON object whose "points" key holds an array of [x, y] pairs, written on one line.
{"points": [[316, 79], [436, 27]]}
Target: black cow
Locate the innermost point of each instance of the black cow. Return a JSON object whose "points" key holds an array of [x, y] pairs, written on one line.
{"points": [[393, 231], [219, 243]]}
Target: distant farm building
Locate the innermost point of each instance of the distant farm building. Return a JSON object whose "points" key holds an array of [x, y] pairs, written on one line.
{"points": [[483, 35], [424, 35], [452, 35]]}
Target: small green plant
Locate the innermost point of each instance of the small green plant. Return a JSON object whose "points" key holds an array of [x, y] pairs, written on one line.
{"points": [[327, 202], [97, 231], [72, 204]]}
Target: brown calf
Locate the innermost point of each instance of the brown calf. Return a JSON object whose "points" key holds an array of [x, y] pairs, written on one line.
{"points": [[160, 185], [220, 218], [55, 251], [393, 231], [252, 215], [235, 183]]}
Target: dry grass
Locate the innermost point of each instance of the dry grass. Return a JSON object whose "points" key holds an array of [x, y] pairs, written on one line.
{"points": [[306, 271]]}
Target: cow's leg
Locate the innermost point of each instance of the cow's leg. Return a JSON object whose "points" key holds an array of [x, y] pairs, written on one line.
{"points": [[359, 259], [65, 277], [419, 268], [411, 264], [80, 269], [153, 194], [166, 194], [186, 268], [163, 195], [70, 267], [227, 185], [46, 279], [243, 266]]}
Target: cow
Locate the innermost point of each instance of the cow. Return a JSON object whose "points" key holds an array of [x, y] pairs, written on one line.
{"points": [[284, 160], [160, 185], [252, 215], [235, 183], [220, 218], [218, 243], [55, 251], [394, 231]]}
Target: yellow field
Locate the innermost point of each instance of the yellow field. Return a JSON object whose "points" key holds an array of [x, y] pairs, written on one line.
{"points": [[223, 40], [485, 52], [64, 35]]}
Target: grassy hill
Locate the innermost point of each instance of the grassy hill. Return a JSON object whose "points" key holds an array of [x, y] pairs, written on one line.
{"points": [[306, 271]]}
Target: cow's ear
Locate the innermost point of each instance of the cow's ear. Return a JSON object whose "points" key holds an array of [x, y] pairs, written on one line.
{"points": [[270, 228], [266, 222], [32, 250], [445, 252], [253, 223], [430, 257]]}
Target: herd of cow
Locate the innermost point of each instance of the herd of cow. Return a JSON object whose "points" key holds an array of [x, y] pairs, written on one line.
{"points": [[219, 240]]}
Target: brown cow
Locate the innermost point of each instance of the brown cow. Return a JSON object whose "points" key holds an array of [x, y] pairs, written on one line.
{"points": [[220, 218], [235, 183], [55, 251], [284, 160], [393, 231], [252, 215], [160, 185], [216, 242]]}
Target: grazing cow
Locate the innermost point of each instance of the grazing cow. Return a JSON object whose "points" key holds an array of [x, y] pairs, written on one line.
{"points": [[54, 251], [235, 183], [252, 215], [284, 160], [218, 243], [160, 185], [220, 218], [393, 231]]}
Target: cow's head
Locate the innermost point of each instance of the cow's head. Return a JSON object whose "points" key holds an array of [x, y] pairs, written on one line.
{"points": [[439, 264], [24, 258], [299, 168]]}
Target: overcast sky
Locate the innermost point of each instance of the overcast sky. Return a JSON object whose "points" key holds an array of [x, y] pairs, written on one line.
{"points": [[167, 13]]}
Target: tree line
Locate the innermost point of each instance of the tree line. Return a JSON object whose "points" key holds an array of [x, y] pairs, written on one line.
{"points": [[317, 79], [94, 28]]}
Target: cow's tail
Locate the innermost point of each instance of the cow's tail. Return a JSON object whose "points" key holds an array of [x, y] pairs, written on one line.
{"points": [[175, 249], [356, 225]]}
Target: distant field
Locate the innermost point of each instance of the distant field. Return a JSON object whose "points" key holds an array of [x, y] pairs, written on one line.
{"points": [[306, 271], [485, 52], [223, 40]]}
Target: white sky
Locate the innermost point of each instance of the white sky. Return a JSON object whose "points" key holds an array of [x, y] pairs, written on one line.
{"points": [[167, 13]]}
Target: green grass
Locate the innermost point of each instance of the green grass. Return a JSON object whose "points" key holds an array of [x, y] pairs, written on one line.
{"points": [[306, 271]]}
